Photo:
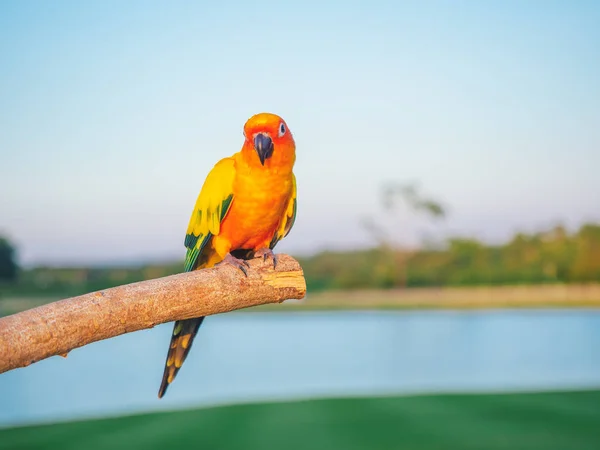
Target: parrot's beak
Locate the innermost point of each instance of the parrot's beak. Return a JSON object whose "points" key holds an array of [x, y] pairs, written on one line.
{"points": [[263, 145]]}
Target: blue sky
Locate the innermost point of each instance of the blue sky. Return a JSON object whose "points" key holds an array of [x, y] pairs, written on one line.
{"points": [[112, 113]]}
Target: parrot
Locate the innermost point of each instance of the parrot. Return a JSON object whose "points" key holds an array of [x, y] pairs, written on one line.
{"points": [[246, 205]]}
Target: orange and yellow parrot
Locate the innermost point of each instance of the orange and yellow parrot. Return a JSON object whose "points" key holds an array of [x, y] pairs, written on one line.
{"points": [[246, 205]]}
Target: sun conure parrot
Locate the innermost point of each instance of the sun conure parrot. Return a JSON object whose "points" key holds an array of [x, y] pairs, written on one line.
{"points": [[246, 205]]}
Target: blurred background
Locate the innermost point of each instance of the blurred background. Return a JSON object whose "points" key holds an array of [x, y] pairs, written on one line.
{"points": [[448, 219]]}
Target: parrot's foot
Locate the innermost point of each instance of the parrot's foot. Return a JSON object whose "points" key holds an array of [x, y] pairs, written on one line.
{"points": [[265, 253], [235, 262]]}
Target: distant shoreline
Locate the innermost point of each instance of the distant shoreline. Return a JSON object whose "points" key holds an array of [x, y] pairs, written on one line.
{"points": [[481, 297]]}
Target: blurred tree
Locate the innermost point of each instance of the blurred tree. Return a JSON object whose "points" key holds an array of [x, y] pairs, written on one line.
{"points": [[548, 256], [558, 252], [393, 192], [8, 264], [401, 200], [586, 266], [554, 255]]}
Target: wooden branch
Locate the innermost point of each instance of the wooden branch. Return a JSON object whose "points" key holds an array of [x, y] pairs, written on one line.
{"points": [[59, 327]]}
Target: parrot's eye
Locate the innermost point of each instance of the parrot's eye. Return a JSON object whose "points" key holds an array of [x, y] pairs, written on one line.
{"points": [[281, 129]]}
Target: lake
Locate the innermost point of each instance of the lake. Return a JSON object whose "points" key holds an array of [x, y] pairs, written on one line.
{"points": [[240, 357]]}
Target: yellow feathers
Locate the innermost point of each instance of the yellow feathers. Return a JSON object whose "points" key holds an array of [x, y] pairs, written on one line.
{"points": [[288, 219], [211, 207], [218, 186]]}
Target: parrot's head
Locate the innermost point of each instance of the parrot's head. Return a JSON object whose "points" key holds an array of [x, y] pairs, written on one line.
{"points": [[268, 142]]}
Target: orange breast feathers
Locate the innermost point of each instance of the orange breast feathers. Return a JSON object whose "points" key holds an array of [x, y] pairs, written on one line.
{"points": [[259, 206]]}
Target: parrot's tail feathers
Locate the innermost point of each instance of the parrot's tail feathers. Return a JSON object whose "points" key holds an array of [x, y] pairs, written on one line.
{"points": [[184, 332]]}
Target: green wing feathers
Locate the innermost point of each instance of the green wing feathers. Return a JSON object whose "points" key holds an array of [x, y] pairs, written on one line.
{"points": [[210, 209]]}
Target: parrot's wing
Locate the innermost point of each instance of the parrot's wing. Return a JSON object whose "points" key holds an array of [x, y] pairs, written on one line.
{"points": [[289, 217], [211, 207]]}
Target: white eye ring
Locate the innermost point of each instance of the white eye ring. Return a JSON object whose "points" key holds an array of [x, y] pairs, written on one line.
{"points": [[281, 129]]}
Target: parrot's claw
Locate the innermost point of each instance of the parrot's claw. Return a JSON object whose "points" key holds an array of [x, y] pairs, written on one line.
{"points": [[266, 253], [235, 262]]}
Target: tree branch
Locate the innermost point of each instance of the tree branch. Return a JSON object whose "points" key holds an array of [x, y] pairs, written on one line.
{"points": [[59, 327]]}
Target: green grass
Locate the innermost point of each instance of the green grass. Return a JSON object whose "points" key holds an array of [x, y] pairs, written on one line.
{"points": [[558, 420]]}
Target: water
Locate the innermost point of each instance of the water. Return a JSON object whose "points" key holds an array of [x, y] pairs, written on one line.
{"points": [[246, 357]]}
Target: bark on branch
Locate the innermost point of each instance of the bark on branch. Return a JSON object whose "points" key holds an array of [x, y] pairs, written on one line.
{"points": [[59, 327]]}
